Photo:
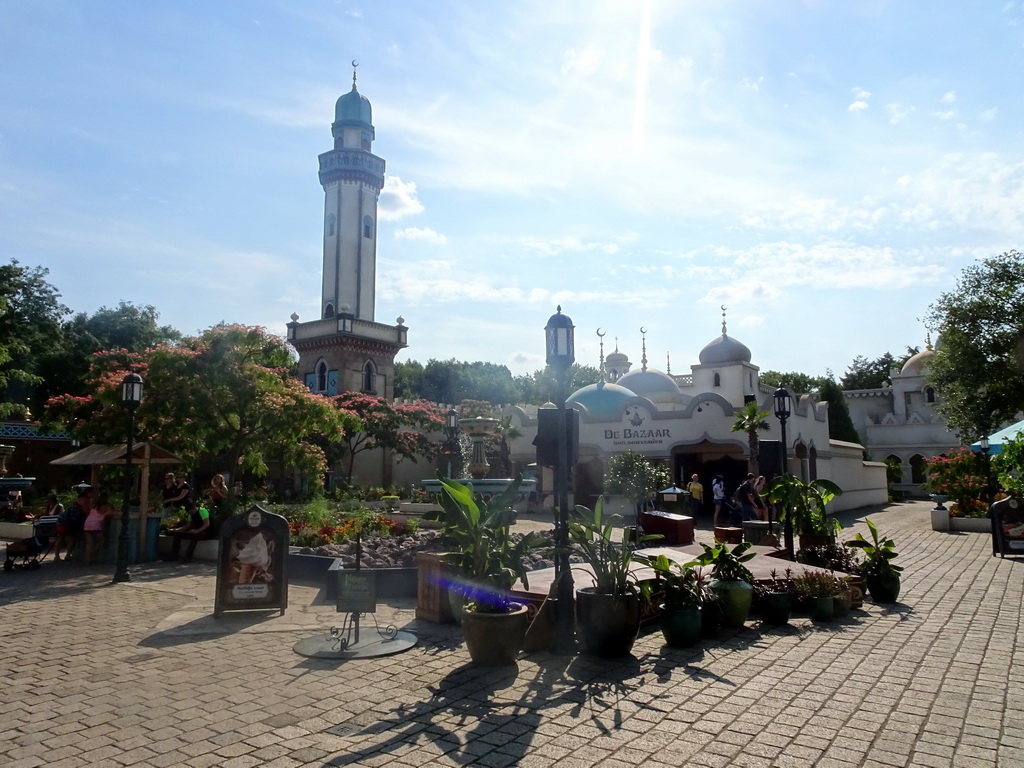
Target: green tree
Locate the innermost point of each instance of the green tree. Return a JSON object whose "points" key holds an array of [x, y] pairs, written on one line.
{"points": [[630, 474], [408, 380], [978, 367], [795, 382], [229, 392], [30, 318], [840, 425], [751, 419], [65, 365], [380, 424]]}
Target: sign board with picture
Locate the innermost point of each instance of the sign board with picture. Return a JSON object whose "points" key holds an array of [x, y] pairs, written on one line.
{"points": [[357, 592], [252, 568]]}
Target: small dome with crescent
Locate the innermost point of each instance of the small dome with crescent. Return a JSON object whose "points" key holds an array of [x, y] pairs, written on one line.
{"points": [[603, 401], [917, 363], [650, 383], [353, 109], [723, 350]]}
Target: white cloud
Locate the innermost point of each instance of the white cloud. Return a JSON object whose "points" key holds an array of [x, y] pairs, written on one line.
{"points": [[427, 234], [858, 106], [860, 94], [398, 200], [898, 112], [989, 115], [751, 84], [948, 115], [557, 245], [949, 97], [583, 63]]}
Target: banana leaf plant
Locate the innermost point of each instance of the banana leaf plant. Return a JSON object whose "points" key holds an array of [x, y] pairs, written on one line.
{"points": [[487, 558], [804, 504], [593, 535]]}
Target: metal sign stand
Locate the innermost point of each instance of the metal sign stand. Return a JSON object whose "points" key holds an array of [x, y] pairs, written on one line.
{"points": [[356, 596]]}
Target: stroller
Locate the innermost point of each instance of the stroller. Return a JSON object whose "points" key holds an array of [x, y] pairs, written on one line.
{"points": [[32, 551]]}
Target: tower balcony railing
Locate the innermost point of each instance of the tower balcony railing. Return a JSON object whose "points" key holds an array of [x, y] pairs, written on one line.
{"points": [[363, 329]]}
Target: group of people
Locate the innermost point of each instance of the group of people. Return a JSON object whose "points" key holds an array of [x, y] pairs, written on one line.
{"points": [[84, 518], [747, 503]]}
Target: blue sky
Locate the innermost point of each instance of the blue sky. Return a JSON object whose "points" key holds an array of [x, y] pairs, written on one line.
{"points": [[825, 169]]}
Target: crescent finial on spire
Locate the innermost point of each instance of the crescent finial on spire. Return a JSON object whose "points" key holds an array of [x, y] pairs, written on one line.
{"points": [[354, 65], [723, 319], [643, 358]]}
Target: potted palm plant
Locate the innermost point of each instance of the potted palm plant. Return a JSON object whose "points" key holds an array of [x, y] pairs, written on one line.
{"points": [[731, 580], [489, 561], [804, 505], [881, 576], [685, 590], [607, 613]]}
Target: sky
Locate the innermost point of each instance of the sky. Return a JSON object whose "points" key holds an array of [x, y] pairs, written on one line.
{"points": [[823, 169]]}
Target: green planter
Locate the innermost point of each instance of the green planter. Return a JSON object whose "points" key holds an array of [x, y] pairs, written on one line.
{"points": [[821, 608], [776, 608], [734, 598], [884, 588], [494, 639], [680, 626]]}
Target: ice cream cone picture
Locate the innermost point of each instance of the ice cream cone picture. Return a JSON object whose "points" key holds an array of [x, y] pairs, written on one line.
{"points": [[253, 560]]}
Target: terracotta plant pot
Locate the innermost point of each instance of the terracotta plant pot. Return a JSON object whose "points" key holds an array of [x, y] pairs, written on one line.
{"points": [[494, 639]]}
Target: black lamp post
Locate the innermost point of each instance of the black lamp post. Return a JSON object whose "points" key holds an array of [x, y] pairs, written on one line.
{"points": [[985, 446], [782, 413], [131, 397], [558, 336], [451, 422]]}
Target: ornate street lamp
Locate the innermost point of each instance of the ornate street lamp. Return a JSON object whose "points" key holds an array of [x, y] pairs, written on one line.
{"points": [[985, 446], [782, 412], [131, 397], [451, 423], [558, 336]]}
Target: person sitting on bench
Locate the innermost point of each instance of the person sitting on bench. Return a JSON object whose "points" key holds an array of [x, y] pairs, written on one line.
{"points": [[197, 528]]}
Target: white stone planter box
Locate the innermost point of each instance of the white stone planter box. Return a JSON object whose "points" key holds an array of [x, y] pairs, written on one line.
{"points": [[971, 524], [940, 519]]}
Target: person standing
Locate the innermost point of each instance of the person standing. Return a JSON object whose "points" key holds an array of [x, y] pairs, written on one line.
{"points": [[71, 522], [745, 495], [718, 495], [696, 495], [93, 527]]}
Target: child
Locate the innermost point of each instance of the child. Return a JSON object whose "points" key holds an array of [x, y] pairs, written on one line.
{"points": [[94, 526]]}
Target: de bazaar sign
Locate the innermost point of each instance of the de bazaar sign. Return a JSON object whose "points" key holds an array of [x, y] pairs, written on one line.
{"points": [[634, 434]]}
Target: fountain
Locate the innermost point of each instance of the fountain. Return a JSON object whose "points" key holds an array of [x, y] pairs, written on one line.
{"points": [[479, 429]]}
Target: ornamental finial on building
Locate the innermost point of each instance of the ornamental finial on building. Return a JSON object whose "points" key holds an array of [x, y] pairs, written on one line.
{"points": [[354, 65], [723, 319], [600, 335], [643, 341]]}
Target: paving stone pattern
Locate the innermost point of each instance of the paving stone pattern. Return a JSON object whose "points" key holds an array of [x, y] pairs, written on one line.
{"points": [[140, 674]]}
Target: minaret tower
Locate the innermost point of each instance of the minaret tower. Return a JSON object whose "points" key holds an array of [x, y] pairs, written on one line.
{"points": [[345, 349], [352, 178]]}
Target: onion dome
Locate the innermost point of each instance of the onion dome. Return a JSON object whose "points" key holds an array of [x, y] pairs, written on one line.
{"points": [[603, 401], [353, 109], [724, 349], [920, 361], [649, 383]]}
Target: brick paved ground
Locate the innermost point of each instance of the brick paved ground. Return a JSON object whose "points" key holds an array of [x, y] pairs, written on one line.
{"points": [[139, 674]]}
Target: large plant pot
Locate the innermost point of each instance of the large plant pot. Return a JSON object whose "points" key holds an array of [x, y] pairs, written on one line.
{"points": [[680, 626], [607, 624], [821, 608], [808, 540], [710, 618], [776, 608], [842, 603], [494, 638], [884, 589], [734, 598], [541, 633]]}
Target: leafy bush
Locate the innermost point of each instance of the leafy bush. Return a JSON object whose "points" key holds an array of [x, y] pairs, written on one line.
{"points": [[962, 477]]}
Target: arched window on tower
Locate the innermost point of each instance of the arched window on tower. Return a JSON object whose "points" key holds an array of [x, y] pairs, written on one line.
{"points": [[929, 395], [367, 227], [328, 311], [321, 376], [718, 379], [369, 377], [330, 225]]}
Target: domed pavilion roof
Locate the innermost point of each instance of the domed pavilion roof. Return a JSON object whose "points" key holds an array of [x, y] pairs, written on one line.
{"points": [[603, 401], [648, 382]]}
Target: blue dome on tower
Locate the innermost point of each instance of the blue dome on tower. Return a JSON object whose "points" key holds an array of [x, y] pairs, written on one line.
{"points": [[353, 109]]}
